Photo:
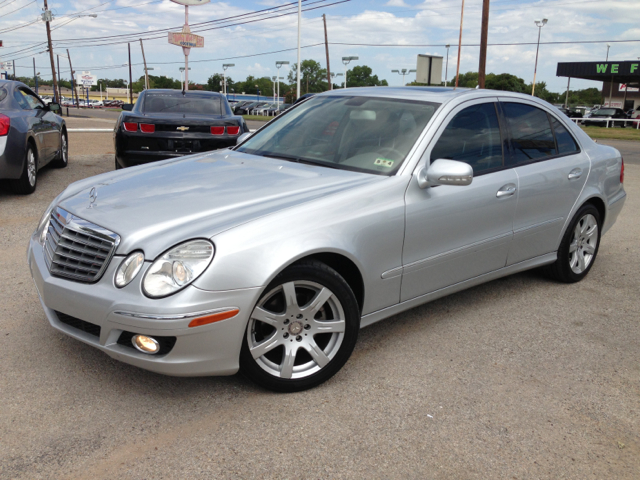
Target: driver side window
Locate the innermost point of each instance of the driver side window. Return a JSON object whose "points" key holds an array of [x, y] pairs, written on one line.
{"points": [[473, 137], [26, 100]]}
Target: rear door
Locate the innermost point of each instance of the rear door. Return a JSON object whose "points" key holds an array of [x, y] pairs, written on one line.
{"points": [[454, 233], [551, 172]]}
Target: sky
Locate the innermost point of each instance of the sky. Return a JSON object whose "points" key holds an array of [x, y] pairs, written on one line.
{"points": [[407, 27]]}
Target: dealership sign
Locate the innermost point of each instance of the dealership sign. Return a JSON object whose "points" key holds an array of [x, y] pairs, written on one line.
{"points": [[186, 39], [86, 79], [6, 66], [623, 88]]}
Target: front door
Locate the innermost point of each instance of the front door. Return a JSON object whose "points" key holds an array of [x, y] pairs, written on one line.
{"points": [[551, 174], [454, 233]]}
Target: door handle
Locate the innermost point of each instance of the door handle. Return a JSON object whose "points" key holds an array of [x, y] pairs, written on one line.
{"points": [[506, 191], [575, 173]]}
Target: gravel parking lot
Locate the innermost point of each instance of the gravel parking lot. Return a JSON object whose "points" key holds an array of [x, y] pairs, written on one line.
{"points": [[518, 378]]}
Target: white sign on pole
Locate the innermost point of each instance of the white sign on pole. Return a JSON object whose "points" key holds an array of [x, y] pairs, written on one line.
{"points": [[6, 65], [622, 87], [86, 79], [189, 3]]}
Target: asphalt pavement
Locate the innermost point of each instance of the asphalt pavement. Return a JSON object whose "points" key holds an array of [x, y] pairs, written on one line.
{"points": [[520, 378]]}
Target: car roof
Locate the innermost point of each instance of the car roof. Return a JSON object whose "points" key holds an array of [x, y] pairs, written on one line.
{"points": [[191, 93]]}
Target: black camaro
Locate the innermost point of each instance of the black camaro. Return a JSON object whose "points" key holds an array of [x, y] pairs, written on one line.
{"points": [[170, 123]]}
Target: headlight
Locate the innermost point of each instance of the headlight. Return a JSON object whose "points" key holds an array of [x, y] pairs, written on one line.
{"points": [[177, 268], [128, 269]]}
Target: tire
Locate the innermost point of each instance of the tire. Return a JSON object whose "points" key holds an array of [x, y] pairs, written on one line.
{"points": [[62, 160], [579, 246], [302, 330], [27, 182]]}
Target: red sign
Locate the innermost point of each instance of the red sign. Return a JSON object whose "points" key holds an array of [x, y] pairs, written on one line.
{"points": [[188, 40]]}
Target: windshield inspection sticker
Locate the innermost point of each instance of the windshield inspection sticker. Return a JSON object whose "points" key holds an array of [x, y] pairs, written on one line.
{"points": [[384, 162]]}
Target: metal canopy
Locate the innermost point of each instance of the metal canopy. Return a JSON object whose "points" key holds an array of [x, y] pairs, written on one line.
{"points": [[615, 72]]}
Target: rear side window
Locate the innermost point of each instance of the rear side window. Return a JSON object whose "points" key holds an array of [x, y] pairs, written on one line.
{"points": [[473, 137], [566, 143], [531, 135], [185, 104]]}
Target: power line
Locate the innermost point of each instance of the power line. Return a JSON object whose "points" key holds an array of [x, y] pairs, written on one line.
{"points": [[14, 11]]}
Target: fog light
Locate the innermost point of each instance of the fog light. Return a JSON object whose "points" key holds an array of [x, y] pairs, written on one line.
{"points": [[145, 344]]}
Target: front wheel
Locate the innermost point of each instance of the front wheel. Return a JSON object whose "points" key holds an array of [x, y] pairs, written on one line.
{"points": [[302, 330], [579, 246]]}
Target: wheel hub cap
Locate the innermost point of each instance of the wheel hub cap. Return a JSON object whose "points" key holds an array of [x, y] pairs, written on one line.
{"points": [[295, 328]]}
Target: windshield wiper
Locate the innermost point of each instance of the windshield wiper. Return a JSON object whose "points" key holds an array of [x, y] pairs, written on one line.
{"points": [[279, 156]]}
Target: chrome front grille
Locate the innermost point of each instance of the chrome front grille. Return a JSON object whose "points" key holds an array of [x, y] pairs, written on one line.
{"points": [[78, 249]]}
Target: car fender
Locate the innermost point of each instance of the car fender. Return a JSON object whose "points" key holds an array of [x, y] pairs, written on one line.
{"points": [[365, 225]]}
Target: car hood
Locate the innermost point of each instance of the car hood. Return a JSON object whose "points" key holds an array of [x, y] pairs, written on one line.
{"points": [[155, 206]]}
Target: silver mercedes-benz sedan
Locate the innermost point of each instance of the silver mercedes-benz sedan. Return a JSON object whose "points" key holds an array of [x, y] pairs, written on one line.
{"points": [[348, 208]]}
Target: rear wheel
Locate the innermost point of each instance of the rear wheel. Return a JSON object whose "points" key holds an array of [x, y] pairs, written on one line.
{"points": [[26, 184], [302, 330], [62, 160], [579, 246]]}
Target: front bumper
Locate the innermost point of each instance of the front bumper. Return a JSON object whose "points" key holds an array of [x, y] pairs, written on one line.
{"points": [[212, 349]]}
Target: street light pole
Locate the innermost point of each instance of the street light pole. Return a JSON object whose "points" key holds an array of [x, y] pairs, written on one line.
{"points": [[446, 68], [608, 47], [403, 72], [224, 76], [279, 63], [346, 61], [539, 24]]}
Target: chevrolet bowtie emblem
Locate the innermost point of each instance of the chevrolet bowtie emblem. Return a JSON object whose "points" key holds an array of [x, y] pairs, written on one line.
{"points": [[182, 129]]}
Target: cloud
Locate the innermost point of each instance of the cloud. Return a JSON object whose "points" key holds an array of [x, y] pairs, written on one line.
{"points": [[397, 3]]}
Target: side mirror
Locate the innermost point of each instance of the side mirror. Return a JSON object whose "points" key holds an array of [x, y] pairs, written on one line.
{"points": [[445, 172], [127, 107], [242, 137], [54, 107]]}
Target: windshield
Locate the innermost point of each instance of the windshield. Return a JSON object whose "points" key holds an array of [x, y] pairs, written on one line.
{"points": [[366, 134], [192, 104], [605, 112]]}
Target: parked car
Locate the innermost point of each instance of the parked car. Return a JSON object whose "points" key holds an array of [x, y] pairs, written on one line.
{"points": [[277, 109], [570, 113], [347, 209], [600, 117], [247, 109], [240, 104], [262, 110], [170, 123], [32, 136]]}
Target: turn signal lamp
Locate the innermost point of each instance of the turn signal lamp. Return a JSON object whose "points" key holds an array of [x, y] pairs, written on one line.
{"points": [[145, 344], [5, 125], [217, 130], [233, 130], [130, 127], [147, 128], [216, 317]]}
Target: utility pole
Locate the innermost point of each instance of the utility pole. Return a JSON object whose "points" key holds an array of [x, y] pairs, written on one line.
{"points": [[299, 22], [130, 79], [459, 44], [146, 74], [73, 82], [35, 76], [46, 16], [483, 43], [566, 98], [14, 69], [59, 86], [326, 47]]}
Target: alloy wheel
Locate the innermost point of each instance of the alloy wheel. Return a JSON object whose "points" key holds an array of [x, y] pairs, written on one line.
{"points": [[583, 244], [31, 167], [296, 329]]}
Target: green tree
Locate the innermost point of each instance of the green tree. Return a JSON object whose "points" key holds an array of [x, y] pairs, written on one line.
{"points": [[215, 81], [360, 76], [506, 82], [313, 78], [465, 80]]}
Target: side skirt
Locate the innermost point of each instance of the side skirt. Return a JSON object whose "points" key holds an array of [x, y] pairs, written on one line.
{"points": [[374, 317]]}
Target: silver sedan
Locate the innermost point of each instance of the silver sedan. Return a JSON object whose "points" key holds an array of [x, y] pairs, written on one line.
{"points": [[345, 210]]}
